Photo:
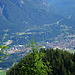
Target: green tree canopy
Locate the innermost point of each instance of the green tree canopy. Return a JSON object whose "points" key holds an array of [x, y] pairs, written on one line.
{"points": [[32, 64]]}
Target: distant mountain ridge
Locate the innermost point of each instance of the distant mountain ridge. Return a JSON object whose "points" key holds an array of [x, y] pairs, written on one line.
{"points": [[64, 7]]}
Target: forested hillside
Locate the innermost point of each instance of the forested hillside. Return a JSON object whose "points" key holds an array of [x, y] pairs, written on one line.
{"points": [[20, 19], [57, 62], [47, 20]]}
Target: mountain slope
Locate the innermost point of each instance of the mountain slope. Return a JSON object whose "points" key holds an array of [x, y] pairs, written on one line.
{"points": [[20, 19], [24, 16], [64, 7]]}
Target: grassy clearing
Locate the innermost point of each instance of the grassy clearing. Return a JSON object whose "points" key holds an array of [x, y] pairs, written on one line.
{"points": [[2, 72], [72, 51]]}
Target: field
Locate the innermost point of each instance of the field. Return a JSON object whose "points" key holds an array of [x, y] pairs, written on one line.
{"points": [[71, 51], [2, 72]]}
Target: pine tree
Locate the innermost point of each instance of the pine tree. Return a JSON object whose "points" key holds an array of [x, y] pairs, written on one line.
{"points": [[32, 63], [38, 67]]}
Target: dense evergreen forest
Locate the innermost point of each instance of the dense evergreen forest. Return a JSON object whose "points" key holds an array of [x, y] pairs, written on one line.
{"points": [[45, 62]]}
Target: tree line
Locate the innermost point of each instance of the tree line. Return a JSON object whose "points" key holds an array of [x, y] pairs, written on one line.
{"points": [[44, 62]]}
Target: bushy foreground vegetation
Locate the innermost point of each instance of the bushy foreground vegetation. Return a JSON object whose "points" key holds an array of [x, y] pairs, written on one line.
{"points": [[45, 62]]}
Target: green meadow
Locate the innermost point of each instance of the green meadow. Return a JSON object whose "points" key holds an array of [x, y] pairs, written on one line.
{"points": [[2, 72]]}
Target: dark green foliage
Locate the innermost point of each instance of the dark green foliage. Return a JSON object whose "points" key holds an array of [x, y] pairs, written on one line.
{"points": [[32, 64], [61, 61], [29, 66], [58, 62]]}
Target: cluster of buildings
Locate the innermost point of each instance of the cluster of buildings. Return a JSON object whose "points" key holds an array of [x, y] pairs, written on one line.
{"points": [[17, 49]]}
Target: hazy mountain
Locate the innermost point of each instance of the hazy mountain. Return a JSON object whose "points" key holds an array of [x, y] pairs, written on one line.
{"points": [[45, 19], [64, 7]]}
